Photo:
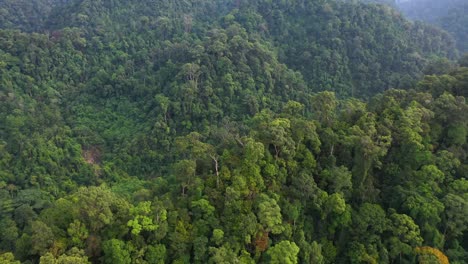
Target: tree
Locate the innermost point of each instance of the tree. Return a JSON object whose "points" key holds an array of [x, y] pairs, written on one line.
{"points": [[324, 107], [24, 215], [222, 255], [405, 235], [10, 233], [337, 179], [142, 220], [250, 169], [357, 253], [218, 236], [316, 256], [156, 254], [369, 222], [78, 233], [193, 148], [99, 207], [293, 108], [163, 103], [42, 238], [185, 172], [269, 214], [200, 249], [455, 214], [73, 256], [426, 253], [116, 251], [285, 252], [371, 144], [8, 258], [275, 132]]}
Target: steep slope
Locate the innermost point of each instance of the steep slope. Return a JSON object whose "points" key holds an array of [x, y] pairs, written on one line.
{"points": [[352, 49], [456, 22], [162, 131], [26, 15], [428, 10], [451, 15]]}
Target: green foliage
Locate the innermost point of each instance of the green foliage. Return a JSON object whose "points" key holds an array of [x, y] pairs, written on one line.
{"points": [[74, 255], [269, 214], [218, 236], [41, 238], [160, 131], [156, 254], [115, 251], [98, 207], [8, 258], [448, 15], [78, 233], [142, 220], [283, 252]]}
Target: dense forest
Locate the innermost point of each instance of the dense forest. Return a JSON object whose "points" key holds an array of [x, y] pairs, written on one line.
{"points": [[451, 15], [201, 131]]}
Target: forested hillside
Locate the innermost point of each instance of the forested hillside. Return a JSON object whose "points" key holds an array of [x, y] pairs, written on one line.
{"points": [[451, 15], [204, 131], [28, 15]]}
